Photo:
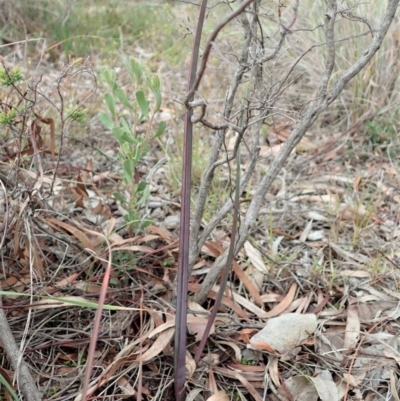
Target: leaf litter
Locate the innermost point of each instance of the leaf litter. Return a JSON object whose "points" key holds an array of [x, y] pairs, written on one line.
{"points": [[312, 307]]}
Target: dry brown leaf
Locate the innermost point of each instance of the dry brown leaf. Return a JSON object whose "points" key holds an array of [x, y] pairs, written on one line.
{"points": [[326, 387], [212, 384], [244, 335], [215, 249], [271, 297], [82, 237], [255, 258], [50, 122], [158, 346], [148, 238], [256, 278], [350, 256], [390, 354], [193, 394], [353, 327], [284, 304], [247, 368], [156, 315], [394, 386], [162, 233], [62, 283], [197, 326], [9, 283], [124, 384], [136, 248], [242, 276], [322, 301], [87, 287], [212, 248], [354, 380], [330, 199], [244, 302], [300, 388], [268, 151], [274, 371], [37, 262], [126, 241], [236, 375], [300, 305], [219, 396], [235, 347], [225, 300], [190, 365]]}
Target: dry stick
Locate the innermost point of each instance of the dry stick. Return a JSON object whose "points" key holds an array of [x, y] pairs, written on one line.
{"points": [[22, 373], [197, 241], [184, 242], [208, 47], [229, 262], [317, 106], [97, 319]]}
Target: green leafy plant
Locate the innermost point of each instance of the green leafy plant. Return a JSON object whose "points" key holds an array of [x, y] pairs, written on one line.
{"points": [[123, 118], [78, 115], [9, 78], [8, 118], [382, 129]]}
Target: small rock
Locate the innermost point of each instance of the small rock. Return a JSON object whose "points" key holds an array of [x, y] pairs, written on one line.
{"points": [[172, 222], [285, 332]]}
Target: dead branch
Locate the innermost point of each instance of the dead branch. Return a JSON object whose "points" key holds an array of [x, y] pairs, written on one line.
{"points": [[322, 99], [23, 375]]}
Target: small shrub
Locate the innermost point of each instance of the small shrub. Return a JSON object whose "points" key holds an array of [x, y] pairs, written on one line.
{"points": [[123, 119]]}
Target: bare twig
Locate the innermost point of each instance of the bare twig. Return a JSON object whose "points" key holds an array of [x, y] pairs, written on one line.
{"points": [[22, 373], [183, 267], [208, 175], [321, 102], [209, 45]]}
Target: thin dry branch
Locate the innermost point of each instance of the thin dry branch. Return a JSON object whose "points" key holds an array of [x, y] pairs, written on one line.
{"points": [[217, 146], [23, 375], [250, 46], [320, 103]]}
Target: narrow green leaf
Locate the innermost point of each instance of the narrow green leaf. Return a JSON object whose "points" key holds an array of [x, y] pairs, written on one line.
{"points": [[5, 383], [145, 196], [156, 82], [121, 95], [110, 101], [118, 133], [137, 69], [147, 223], [128, 170], [160, 129], [143, 104], [109, 77], [127, 137], [119, 198], [66, 300], [141, 186], [106, 121], [126, 148], [124, 124], [157, 95]]}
